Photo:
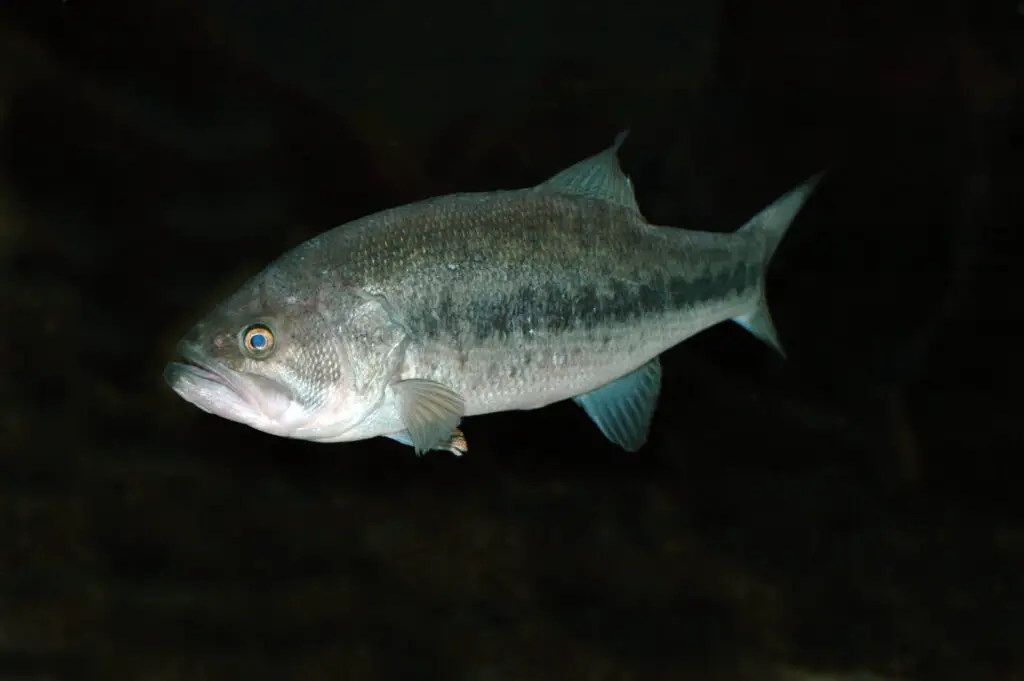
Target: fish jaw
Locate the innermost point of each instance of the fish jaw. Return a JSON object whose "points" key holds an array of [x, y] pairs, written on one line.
{"points": [[220, 392]]}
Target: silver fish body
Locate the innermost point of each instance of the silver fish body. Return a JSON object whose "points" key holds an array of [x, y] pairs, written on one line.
{"points": [[401, 323]]}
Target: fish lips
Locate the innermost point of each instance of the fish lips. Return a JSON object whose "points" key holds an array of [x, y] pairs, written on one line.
{"points": [[253, 400], [206, 385]]}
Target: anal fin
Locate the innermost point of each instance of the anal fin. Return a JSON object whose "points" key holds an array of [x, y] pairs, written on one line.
{"points": [[623, 409]]}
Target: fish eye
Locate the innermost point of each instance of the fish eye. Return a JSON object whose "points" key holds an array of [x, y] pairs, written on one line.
{"points": [[258, 341]]}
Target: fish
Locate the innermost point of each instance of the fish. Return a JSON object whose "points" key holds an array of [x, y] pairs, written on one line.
{"points": [[403, 323]]}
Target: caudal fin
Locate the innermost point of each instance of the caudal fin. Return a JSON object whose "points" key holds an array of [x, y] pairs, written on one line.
{"points": [[770, 226]]}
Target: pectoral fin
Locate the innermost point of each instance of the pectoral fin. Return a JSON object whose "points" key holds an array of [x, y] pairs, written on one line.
{"points": [[623, 408], [429, 411]]}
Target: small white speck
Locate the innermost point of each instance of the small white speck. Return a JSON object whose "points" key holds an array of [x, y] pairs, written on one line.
{"points": [[452, 266]]}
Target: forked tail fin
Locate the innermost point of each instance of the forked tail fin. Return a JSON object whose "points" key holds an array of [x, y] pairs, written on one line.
{"points": [[770, 225]]}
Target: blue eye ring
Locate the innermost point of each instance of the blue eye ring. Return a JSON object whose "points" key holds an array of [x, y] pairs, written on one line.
{"points": [[257, 341]]}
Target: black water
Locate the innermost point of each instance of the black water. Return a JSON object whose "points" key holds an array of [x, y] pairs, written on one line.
{"points": [[853, 508]]}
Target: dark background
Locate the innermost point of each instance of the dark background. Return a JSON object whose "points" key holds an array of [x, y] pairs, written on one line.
{"points": [[853, 511]]}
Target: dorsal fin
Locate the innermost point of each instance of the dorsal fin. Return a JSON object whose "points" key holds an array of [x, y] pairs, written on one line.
{"points": [[597, 177]]}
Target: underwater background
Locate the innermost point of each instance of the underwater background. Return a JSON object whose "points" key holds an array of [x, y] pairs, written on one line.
{"points": [[852, 513]]}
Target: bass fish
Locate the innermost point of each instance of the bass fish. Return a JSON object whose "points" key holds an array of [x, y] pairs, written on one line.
{"points": [[402, 323]]}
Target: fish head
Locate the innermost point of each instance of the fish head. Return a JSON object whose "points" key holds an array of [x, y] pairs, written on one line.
{"points": [[270, 358]]}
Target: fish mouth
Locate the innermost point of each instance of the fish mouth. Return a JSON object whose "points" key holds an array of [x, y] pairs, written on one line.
{"points": [[189, 363], [253, 400], [205, 384]]}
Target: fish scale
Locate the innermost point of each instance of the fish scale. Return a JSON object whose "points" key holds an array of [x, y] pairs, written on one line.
{"points": [[573, 313], [475, 303], [505, 294]]}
